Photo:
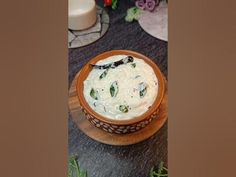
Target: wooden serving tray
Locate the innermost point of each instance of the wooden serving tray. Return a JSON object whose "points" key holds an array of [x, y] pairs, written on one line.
{"points": [[108, 138]]}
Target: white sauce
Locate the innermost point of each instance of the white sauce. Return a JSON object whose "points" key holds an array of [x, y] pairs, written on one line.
{"points": [[128, 92]]}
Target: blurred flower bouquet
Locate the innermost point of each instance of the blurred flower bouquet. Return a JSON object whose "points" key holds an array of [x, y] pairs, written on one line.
{"points": [[133, 13], [147, 4]]}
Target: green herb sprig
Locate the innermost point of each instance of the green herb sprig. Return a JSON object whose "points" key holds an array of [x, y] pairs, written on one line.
{"points": [[124, 108], [161, 172], [103, 74], [94, 94], [114, 89], [133, 13], [133, 65], [74, 169], [142, 89], [114, 4]]}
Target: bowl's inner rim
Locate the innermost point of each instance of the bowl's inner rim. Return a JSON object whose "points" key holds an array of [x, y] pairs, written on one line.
{"points": [[84, 74]]}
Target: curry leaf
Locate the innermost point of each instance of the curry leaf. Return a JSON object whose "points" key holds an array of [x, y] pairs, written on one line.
{"points": [[114, 4], [133, 65], [124, 108], [133, 13], [94, 94], [142, 89], [114, 89], [74, 169], [103, 74], [161, 172]]}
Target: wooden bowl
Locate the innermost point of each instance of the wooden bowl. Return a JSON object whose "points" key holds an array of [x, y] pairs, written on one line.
{"points": [[119, 126]]}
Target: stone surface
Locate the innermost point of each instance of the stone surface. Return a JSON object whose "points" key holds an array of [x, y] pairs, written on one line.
{"points": [[102, 160], [156, 23], [86, 38], [71, 36], [81, 38], [105, 17]]}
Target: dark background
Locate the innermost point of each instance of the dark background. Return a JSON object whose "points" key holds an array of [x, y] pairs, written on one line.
{"points": [[102, 160]]}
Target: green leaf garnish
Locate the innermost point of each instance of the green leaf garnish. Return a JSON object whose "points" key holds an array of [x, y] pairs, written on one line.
{"points": [[103, 74], [74, 169], [114, 4], [142, 89], [94, 94], [123, 108], [133, 13], [160, 167], [133, 65], [161, 172], [137, 76], [114, 89]]}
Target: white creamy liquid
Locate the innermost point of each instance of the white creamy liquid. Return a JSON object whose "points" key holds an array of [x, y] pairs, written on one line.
{"points": [[128, 79]]}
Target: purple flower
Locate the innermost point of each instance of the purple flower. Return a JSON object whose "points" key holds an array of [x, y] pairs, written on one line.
{"points": [[147, 4], [140, 4], [150, 5]]}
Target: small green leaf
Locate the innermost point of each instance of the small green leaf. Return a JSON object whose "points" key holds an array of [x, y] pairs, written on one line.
{"points": [[103, 74], [74, 169], [133, 13], [142, 89], [83, 174], [137, 76], [114, 89], [160, 167], [94, 94], [123, 108], [133, 65], [161, 172], [114, 4], [152, 172]]}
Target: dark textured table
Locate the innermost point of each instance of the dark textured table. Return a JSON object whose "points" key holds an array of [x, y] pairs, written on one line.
{"points": [[101, 160]]}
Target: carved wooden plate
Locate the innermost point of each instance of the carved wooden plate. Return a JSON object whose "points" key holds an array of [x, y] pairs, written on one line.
{"points": [[108, 138]]}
